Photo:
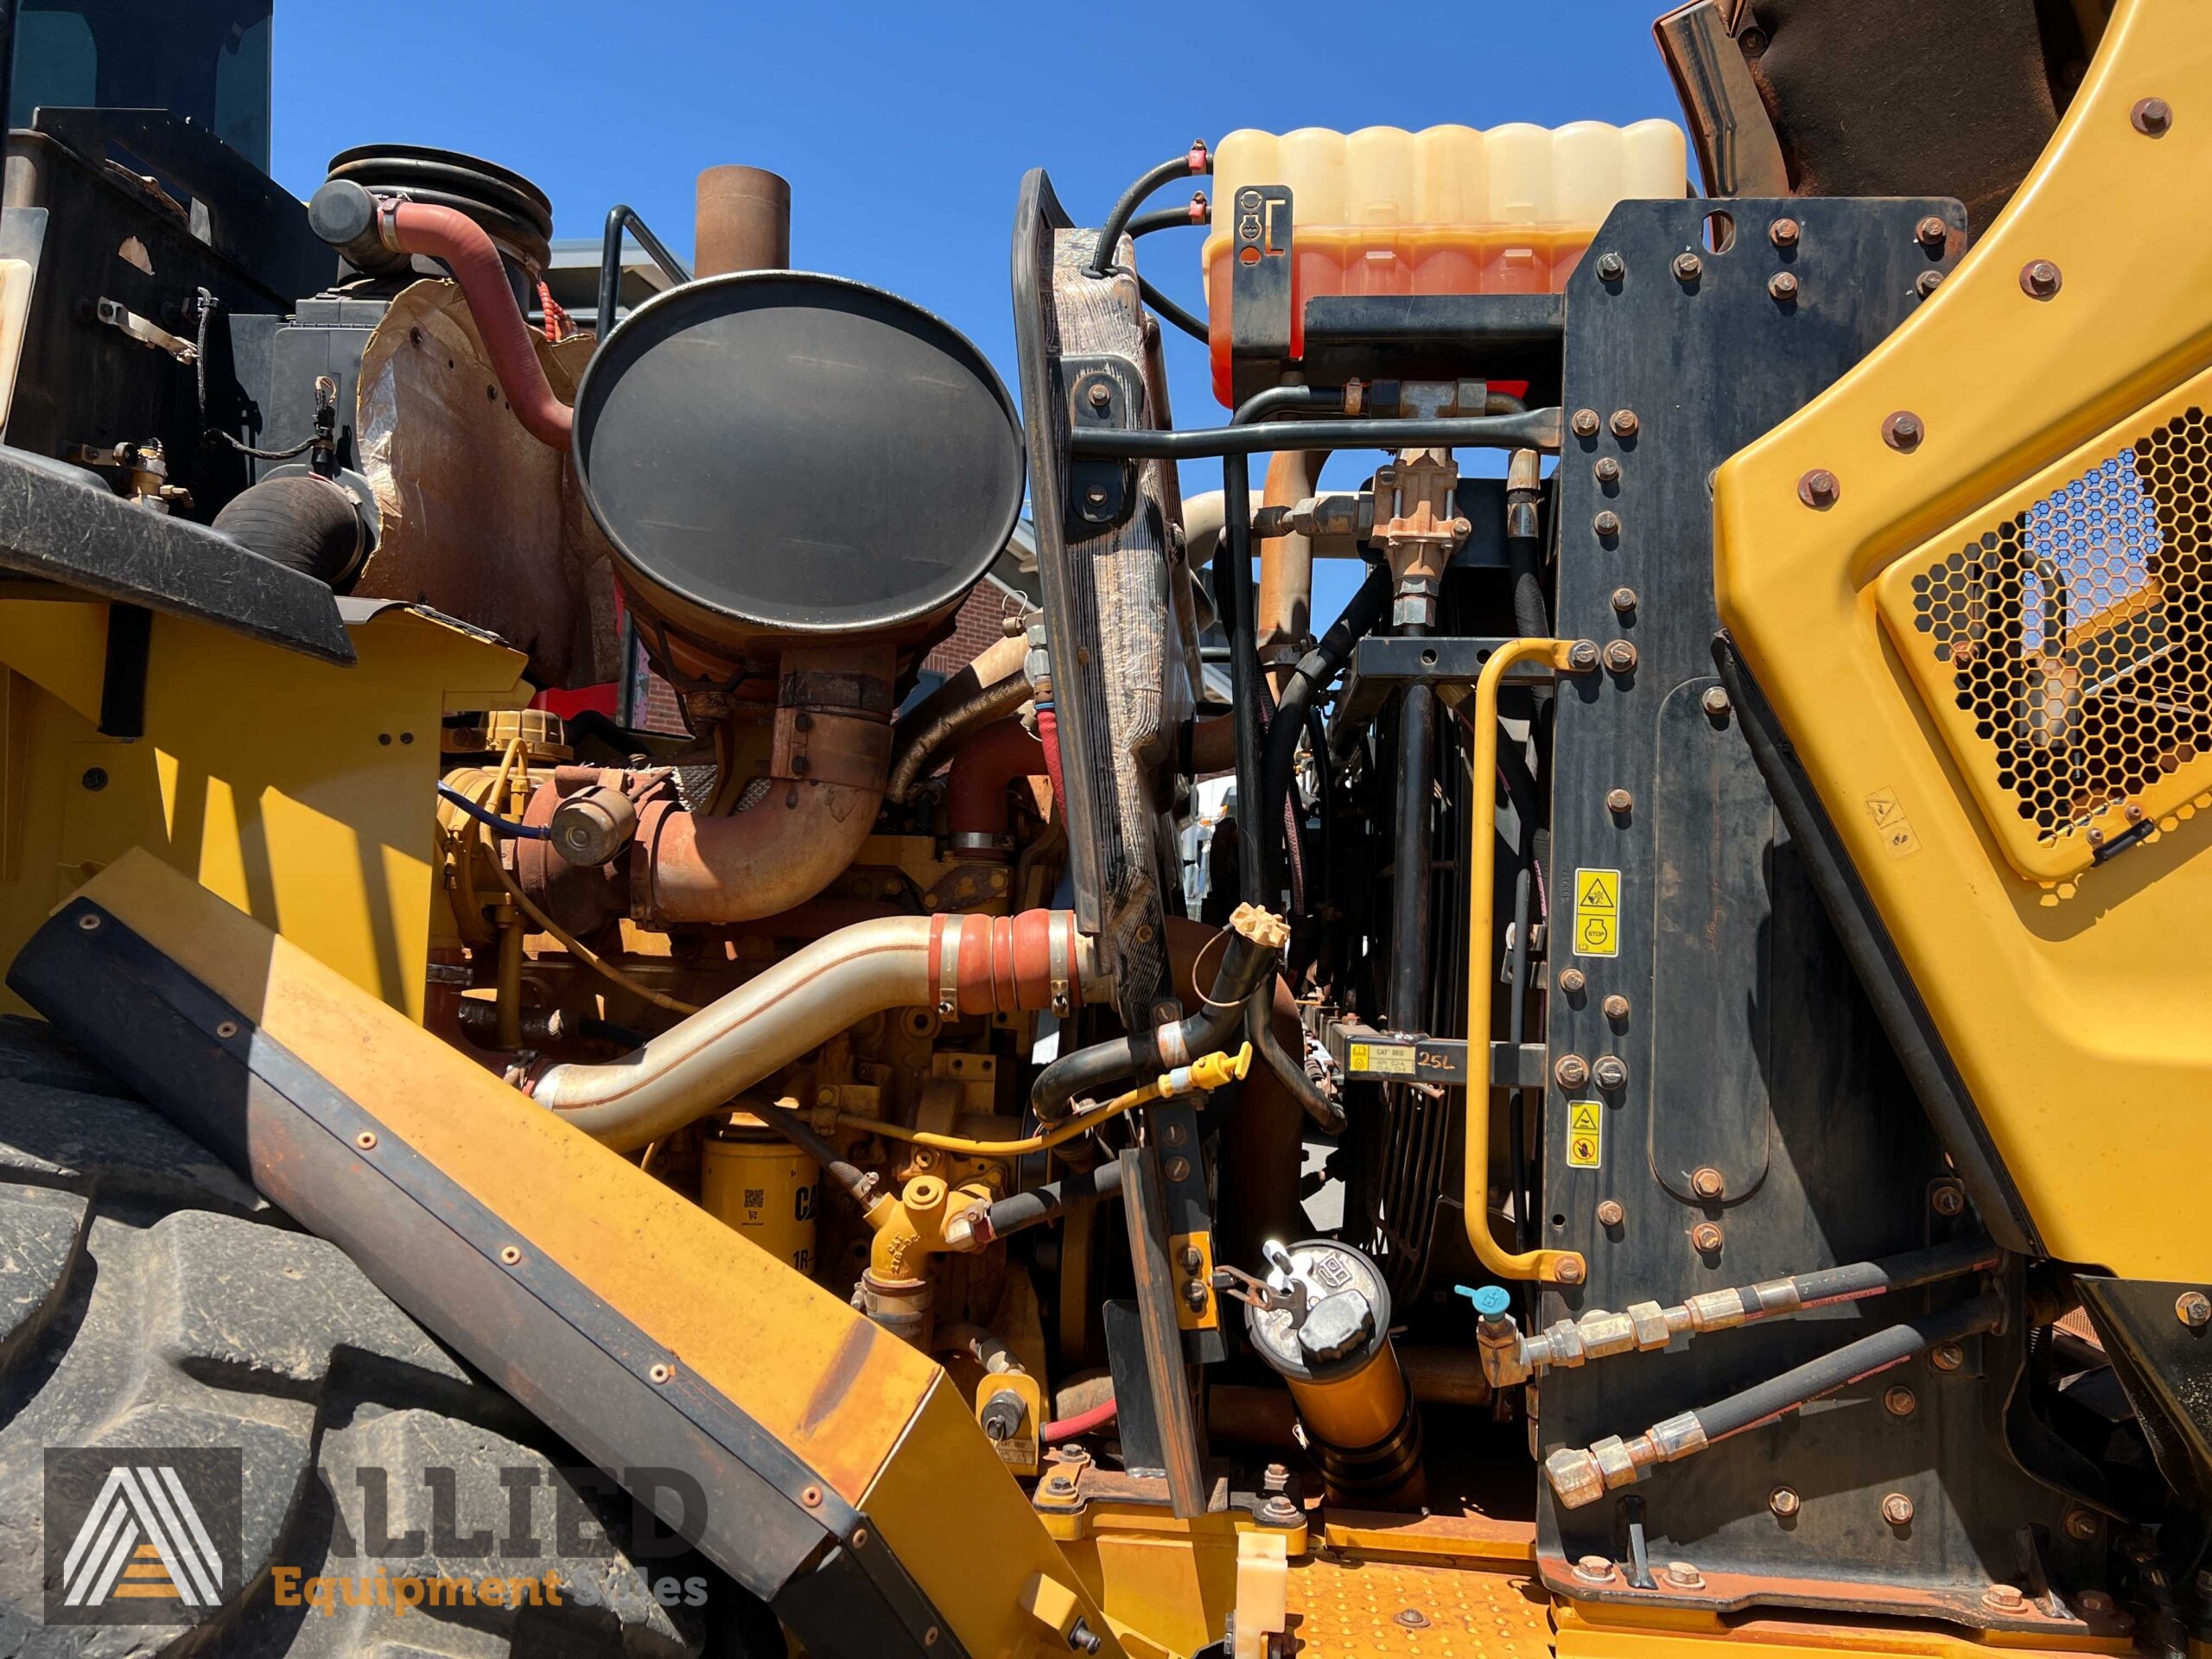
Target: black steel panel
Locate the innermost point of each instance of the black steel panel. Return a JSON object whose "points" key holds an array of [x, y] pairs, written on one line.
{"points": [[1749, 1044]]}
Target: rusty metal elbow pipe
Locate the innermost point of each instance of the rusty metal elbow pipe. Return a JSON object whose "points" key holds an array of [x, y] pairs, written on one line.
{"points": [[975, 797], [971, 965], [348, 217]]}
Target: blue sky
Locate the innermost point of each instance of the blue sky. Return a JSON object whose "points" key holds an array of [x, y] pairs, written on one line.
{"points": [[905, 128]]}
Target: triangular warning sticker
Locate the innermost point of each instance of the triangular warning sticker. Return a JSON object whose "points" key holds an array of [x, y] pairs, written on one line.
{"points": [[1582, 1117], [1596, 891]]}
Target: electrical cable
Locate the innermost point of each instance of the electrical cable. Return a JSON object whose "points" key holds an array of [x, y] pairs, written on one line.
{"points": [[493, 821]]}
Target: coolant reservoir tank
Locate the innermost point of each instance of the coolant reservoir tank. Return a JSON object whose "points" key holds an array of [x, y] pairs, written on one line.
{"points": [[1448, 209]]}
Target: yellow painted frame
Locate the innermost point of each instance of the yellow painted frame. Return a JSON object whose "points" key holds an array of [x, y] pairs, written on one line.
{"points": [[2074, 1015]]}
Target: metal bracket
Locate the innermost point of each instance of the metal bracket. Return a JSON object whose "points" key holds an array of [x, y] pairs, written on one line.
{"points": [[1380, 665], [1104, 393], [119, 316], [1372, 1056], [1263, 322]]}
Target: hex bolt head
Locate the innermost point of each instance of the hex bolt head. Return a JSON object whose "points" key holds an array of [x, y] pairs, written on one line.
{"points": [[1927, 283], [2194, 1309], [1582, 655], [1624, 423], [2083, 1524], [1101, 394], [1618, 801], [1818, 490], [1782, 287], [1903, 430], [1606, 470], [1709, 1183], [1930, 233], [1947, 1357], [1194, 1296], [1193, 1258], [1610, 1071], [1595, 1569], [1568, 1271], [1572, 981], [1584, 422], [1610, 1213], [1624, 599], [1615, 1007], [2005, 1598], [1607, 524], [1706, 1238], [1784, 1501], [2152, 117], [2040, 279], [1783, 233], [1683, 1576], [1620, 656], [2095, 1603], [1715, 701], [1612, 268], [1689, 267], [1897, 1510], [1571, 1071], [1948, 1198], [1899, 1401]]}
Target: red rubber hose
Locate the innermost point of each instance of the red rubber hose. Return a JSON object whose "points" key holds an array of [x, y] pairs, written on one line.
{"points": [[1048, 734], [1084, 1422]]}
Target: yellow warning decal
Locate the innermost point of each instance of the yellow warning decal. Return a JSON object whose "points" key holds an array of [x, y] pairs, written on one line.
{"points": [[1597, 913], [1384, 1059], [1895, 829], [1586, 1134]]}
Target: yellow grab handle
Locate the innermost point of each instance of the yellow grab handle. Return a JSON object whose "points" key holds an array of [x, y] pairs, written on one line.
{"points": [[1553, 1267]]}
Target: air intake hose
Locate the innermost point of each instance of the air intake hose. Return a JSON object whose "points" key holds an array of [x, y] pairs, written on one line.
{"points": [[303, 522]]}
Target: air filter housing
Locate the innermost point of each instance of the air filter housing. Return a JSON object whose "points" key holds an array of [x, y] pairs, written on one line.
{"points": [[777, 455]]}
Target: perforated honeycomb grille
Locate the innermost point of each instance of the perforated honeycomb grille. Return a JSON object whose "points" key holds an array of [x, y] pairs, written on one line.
{"points": [[2078, 635]]}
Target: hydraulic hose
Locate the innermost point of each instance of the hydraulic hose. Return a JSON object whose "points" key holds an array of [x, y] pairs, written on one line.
{"points": [[1259, 1029], [1314, 671], [1537, 428], [1049, 1202], [990, 700], [1193, 162], [789, 1124], [957, 965]]}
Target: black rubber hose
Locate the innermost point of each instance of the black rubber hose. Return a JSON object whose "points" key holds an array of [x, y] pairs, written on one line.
{"points": [[1763, 1401], [1174, 313], [1053, 1199], [1259, 1030], [1166, 218], [1244, 968], [302, 522], [1855, 1279], [787, 1123], [1315, 669], [1192, 163], [1538, 429]]}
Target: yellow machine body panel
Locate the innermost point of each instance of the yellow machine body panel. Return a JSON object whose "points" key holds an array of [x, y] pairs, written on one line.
{"points": [[2030, 823], [293, 788]]}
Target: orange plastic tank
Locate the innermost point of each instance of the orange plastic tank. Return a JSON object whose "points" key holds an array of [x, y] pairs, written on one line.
{"points": [[1450, 210]]}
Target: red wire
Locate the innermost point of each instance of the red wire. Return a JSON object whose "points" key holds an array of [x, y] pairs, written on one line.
{"points": [[1084, 1422]]}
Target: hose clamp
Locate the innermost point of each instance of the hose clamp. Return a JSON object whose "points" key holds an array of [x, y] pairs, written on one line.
{"points": [[1057, 954], [948, 968]]}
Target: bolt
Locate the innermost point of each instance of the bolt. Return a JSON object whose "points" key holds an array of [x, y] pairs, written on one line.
{"points": [[1101, 394], [2194, 1309], [510, 1255], [1278, 1510], [2083, 1524], [1611, 267], [1274, 1479], [1715, 701], [1899, 1401], [1194, 1296], [1584, 422], [1897, 1510], [2095, 1603], [1607, 524], [1616, 1007], [1783, 233], [95, 779], [1620, 657], [1610, 1213], [661, 1372], [1572, 981], [1683, 1576], [1568, 1271], [1412, 1617], [2134, 812], [1571, 1071], [1193, 1258], [812, 1497], [1624, 599], [1903, 430], [1784, 1501], [1927, 283], [1818, 489], [1689, 267], [2096, 838], [1624, 423], [1948, 1198], [1947, 1357], [1618, 801], [1706, 1238], [1594, 1569], [226, 1029], [1178, 1169], [1610, 1071], [1582, 655], [1782, 287], [1930, 233], [1081, 1637], [2152, 117], [2040, 279], [1606, 470], [1709, 1183], [366, 1140], [2005, 1598]]}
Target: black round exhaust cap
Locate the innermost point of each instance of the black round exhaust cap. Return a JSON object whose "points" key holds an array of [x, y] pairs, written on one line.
{"points": [[799, 453]]}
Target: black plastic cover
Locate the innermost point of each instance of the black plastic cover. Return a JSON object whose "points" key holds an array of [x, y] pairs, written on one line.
{"points": [[799, 453]]}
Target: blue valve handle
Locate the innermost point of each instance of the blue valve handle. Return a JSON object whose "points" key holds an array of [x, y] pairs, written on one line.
{"points": [[1492, 1302]]}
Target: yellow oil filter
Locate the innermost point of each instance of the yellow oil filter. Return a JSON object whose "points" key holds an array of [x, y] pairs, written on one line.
{"points": [[758, 1182], [1331, 1345]]}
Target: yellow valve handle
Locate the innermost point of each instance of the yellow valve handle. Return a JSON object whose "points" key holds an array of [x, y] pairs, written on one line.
{"points": [[1552, 1267]]}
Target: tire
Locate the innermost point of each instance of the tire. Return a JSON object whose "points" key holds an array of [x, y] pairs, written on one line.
{"points": [[150, 1297]]}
